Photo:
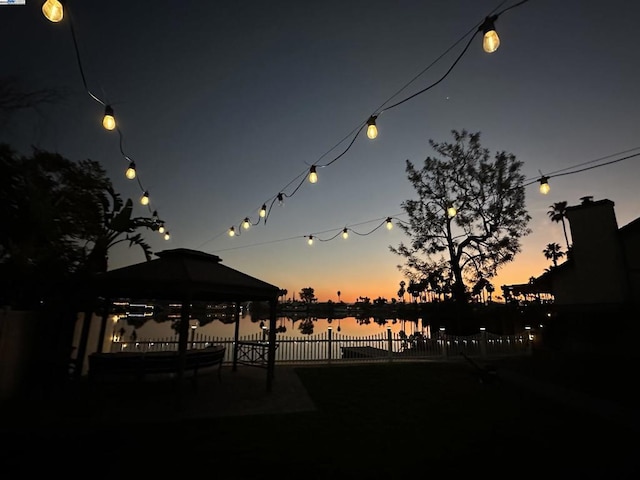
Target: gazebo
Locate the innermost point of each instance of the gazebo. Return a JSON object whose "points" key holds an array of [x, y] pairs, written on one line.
{"points": [[187, 276]]}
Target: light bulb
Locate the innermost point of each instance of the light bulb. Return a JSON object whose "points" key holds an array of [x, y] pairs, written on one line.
{"points": [[167, 236], [372, 130], [490, 39], [131, 171], [389, 223], [544, 185], [232, 231], [161, 229], [310, 241], [108, 122], [280, 199], [451, 211], [263, 211], [53, 11], [246, 223], [313, 176], [144, 199], [345, 234]]}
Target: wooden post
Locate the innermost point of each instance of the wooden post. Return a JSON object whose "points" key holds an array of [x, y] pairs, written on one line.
{"points": [[443, 339], [483, 342], [236, 333], [330, 335], [390, 343]]}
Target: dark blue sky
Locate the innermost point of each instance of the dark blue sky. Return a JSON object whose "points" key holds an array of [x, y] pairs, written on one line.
{"points": [[223, 104]]}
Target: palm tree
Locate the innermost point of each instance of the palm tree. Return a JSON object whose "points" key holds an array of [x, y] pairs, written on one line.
{"points": [[553, 252], [282, 293], [338, 295], [402, 291], [116, 226], [558, 214]]}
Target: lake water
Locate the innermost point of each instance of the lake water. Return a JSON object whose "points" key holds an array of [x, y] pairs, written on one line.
{"points": [[299, 327]]}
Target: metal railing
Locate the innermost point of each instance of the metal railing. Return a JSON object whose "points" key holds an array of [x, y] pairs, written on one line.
{"points": [[328, 347]]}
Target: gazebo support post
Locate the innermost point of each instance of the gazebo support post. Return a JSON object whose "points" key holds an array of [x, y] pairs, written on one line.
{"points": [[183, 337], [103, 324], [272, 343], [236, 335]]}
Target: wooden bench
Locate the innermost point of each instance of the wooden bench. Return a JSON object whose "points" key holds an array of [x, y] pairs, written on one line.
{"points": [[141, 364]]}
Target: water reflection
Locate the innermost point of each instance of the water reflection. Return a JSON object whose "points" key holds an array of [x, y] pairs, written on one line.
{"points": [[290, 326]]}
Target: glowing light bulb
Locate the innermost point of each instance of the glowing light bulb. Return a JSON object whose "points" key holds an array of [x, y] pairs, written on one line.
{"points": [[310, 241], [232, 231], [451, 211], [167, 236], [263, 211], [389, 223], [372, 130], [313, 176], [144, 199], [345, 234], [53, 11], [246, 223], [490, 39], [544, 185], [131, 171], [108, 122], [161, 228]]}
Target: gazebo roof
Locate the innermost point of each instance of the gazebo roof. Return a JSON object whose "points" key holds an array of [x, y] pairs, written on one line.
{"points": [[182, 272]]}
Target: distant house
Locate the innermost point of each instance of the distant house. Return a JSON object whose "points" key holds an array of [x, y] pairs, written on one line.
{"points": [[602, 271]]}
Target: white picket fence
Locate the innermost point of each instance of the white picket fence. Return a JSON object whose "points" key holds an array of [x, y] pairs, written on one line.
{"points": [[328, 347]]}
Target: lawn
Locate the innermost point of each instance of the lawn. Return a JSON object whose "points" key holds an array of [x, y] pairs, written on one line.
{"points": [[401, 420]]}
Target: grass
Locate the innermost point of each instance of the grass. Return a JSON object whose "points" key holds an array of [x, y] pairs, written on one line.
{"points": [[402, 420]]}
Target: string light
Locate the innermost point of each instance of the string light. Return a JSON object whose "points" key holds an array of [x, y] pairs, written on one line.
{"points": [[246, 223], [109, 121], [451, 211], [131, 171], [167, 236], [372, 129], [487, 27], [490, 39], [487, 24], [389, 223], [544, 185], [161, 228], [573, 169], [345, 234], [310, 241], [313, 176], [232, 231], [53, 11]]}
